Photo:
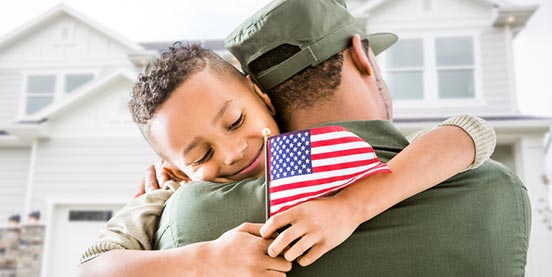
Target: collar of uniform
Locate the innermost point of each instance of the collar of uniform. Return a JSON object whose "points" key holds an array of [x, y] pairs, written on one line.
{"points": [[379, 133]]}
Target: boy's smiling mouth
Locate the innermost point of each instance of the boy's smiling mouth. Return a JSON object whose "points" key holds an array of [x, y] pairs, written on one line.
{"points": [[250, 168]]}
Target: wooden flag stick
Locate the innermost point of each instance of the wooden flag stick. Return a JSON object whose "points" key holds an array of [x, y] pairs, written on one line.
{"points": [[266, 134]]}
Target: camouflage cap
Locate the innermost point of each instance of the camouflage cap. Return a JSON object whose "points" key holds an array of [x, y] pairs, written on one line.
{"points": [[320, 28]]}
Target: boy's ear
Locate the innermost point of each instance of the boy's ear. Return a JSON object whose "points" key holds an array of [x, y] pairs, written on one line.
{"points": [[263, 96], [360, 57]]}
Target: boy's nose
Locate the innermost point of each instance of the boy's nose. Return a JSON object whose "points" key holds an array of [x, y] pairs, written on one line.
{"points": [[234, 153]]}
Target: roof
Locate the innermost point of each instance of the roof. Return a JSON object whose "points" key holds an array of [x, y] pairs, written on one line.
{"points": [[56, 12], [216, 45]]}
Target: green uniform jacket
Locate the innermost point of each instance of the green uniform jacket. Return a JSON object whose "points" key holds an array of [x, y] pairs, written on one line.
{"points": [[474, 224]]}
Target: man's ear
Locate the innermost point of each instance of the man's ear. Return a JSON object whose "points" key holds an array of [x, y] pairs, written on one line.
{"points": [[360, 57], [263, 96]]}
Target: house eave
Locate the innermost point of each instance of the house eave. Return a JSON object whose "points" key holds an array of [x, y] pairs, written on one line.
{"points": [[514, 17], [22, 134], [515, 124]]}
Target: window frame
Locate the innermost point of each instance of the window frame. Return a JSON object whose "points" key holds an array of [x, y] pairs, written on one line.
{"points": [[431, 79], [59, 85]]}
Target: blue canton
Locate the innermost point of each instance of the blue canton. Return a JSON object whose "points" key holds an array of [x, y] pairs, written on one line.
{"points": [[290, 155]]}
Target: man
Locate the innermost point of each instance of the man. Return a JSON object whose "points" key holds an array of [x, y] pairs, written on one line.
{"points": [[474, 224]]}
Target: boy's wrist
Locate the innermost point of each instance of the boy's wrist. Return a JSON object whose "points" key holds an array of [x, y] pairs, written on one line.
{"points": [[368, 197]]}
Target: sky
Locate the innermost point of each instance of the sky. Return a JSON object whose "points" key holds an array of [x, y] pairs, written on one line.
{"points": [[171, 20]]}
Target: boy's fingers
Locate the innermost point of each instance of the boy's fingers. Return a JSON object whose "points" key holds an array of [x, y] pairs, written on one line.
{"points": [[252, 228], [299, 248], [311, 256], [141, 189], [284, 239], [150, 179], [273, 224]]}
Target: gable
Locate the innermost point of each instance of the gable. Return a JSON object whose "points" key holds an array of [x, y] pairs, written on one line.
{"points": [[64, 39], [426, 14]]}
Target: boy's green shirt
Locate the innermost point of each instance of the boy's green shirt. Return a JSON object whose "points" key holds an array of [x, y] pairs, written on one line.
{"points": [[474, 224]]}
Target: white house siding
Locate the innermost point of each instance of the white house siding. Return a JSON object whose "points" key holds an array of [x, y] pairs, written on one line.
{"points": [[10, 87], [93, 169], [14, 168], [45, 47], [94, 150], [453, 17], [529, 165], [495, 71]]}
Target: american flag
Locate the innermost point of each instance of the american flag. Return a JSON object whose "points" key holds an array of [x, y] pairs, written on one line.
{"points": [[306, 164]]}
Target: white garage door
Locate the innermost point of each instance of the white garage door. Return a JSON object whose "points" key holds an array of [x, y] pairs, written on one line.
{"points": [[74, 227]]}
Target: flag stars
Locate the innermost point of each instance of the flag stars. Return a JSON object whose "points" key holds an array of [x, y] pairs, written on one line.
{"points": [[290, 154]]}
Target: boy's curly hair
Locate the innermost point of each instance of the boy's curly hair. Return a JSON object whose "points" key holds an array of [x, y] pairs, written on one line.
{"points": [[168, 72]]}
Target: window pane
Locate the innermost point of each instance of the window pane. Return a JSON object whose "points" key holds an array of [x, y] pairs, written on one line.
{"points": [[41, 84], [454, 51], [406, 53], [74, 81], [90, 215], [36, 103], [456, 84], [406, 85]]}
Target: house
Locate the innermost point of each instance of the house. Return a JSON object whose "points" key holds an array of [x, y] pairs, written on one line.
{"points": [[69, 149], [454, 57]]}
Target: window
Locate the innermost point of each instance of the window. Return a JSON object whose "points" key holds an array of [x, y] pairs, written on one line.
{"points": [[40, 92], [44, 89], [104, 215], [431, 68], [405, 69], [455, 67]]}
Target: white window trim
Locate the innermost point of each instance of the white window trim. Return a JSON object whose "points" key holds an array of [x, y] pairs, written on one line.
{"points": [[431, 91], [59, 92]]}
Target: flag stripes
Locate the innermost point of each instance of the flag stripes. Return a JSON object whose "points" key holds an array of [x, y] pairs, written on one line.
{"points": [[311, 163]]}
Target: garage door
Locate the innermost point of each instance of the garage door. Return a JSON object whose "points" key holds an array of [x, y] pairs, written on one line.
{"points": [[74, 228]]}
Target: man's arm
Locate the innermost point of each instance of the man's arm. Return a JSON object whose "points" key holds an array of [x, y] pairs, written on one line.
{"points": [[238, 252], [436, 156]]}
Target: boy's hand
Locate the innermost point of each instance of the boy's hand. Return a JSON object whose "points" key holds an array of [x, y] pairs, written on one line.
{"points": [[242, 252], [157, 174], [318, 225]]}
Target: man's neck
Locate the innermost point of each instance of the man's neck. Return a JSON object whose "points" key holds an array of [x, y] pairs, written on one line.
{"points": [[338, 110]]}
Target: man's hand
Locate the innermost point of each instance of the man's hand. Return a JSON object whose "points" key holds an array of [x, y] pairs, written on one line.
{"points": [[242, 252], [309, 224]]}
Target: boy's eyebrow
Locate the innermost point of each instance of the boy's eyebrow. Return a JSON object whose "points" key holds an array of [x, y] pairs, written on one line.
{"points": [[222, 110]]}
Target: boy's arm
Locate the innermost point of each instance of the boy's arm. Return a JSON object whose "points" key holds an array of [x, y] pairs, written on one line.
{"points": [[482, 134], [434, 157], [238, 252], [134, 225]]}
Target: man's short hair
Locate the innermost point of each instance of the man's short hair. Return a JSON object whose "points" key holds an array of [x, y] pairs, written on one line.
{"points": [[312, 85]]}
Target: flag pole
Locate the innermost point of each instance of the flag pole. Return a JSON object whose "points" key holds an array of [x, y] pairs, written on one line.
{"points": [[266, 134]]}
